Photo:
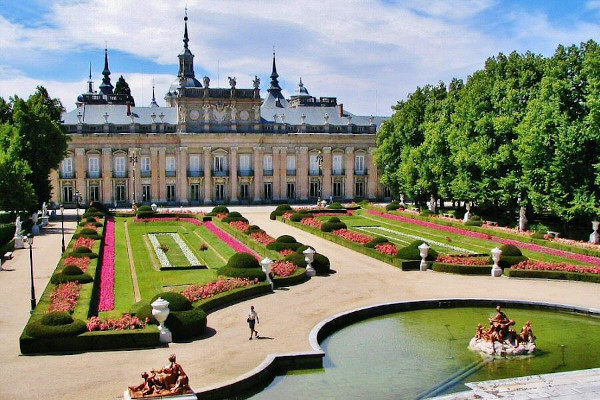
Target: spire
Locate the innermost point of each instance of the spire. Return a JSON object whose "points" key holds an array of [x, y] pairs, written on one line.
{"points": [[106, 87], [186, 58], [153, 103], [301, 90], [186, 39], [275, 88], [90, 82]]}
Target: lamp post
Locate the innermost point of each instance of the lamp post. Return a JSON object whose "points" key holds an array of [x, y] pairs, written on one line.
{"points": [[62, 225], [133, 159], [320, 166], [423, 252], [309, 255], [30, 241], [267, 263], [496, 270], [77, 195]]}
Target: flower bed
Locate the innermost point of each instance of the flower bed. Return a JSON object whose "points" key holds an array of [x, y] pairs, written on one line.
{"points": [[84, 242], [107, 272], [484, 236], [283, 268], [126, 322], [194, 221], [160, 252], [240, 225], [162, 255], [387, 248], [231, 242], [463, 259], [286, 252], [546, 266], [353, 236], [81, 262], [315, 223], [197, 292], [64, 297], [262, 238]]}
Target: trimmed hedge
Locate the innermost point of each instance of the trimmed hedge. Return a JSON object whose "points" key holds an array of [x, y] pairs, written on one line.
{"points": [[475, 220], [377, 240], [38, 329], [57, 318], [392, 206], [249, 273], [510, 250], [186, 324], [297, 277], [511, 255], [283, 207], [229, 219], [411, 252], [177, 301], [76, 254], [145, 212], [538, 235], [253, 229], [61, 277], [297, 259], [276, 213], [335, 206], [569, 276], [462, 269], [330, 226], [277, 246], [232, 296], [243, 261], [299, 216], [234, 214], [220, 210], [320, 262], [286, 239]]}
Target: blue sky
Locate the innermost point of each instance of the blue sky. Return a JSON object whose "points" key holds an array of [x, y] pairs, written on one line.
{"points": [[369, 54]]}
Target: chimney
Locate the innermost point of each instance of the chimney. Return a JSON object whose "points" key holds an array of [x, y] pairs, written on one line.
{"points": [[128, 108], [341, 109]]}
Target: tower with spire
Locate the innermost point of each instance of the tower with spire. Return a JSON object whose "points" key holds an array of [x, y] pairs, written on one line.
{"points": [[275, 98], [106, 87]]}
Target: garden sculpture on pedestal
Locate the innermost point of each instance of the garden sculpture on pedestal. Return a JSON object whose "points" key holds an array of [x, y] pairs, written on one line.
{"points": [[168, 381], [468, 213], [522, 219], [402, 200], [19, 244], [432, 204], [594, 236]]}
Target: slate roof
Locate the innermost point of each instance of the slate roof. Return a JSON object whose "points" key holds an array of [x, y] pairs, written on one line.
{"points": [[94, 115]]}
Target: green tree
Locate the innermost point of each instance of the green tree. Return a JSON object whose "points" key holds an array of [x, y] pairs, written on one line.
{"points": [[5, 111], [18, 194], [122, 87]]}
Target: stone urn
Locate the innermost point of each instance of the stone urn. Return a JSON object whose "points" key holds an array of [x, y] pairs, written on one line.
{"points": [[309, 255], [160, 311], [468, 213], [496, 270], [423, 252], [266, 264], [594, 236]]}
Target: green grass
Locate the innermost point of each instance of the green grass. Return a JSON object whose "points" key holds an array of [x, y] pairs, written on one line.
{"points": [[124, 295], [213, 260], [174, 254]]}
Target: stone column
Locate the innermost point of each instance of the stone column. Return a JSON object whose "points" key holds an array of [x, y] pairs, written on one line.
{"points": [[258, 173], [155, 183], [233, 173], [138, 176], [207, 158], [372, 178], [283, 172], [162, 182], [276, 174], [349, 183], [80, 171], [326, 189], [55, 194], [182, 185], [302, 172], [107, 168]]}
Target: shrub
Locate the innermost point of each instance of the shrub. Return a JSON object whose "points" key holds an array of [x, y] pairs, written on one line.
{"points": [[248, 273], [286, 239], [426, 213], [510, 250], [234, 214], [186, 324], [98, 206], [229, 219], [278, 246], [55, 318], [253, 229], [91, 210], [475, 220], [91, 219], [88, 231], [243, 261], [333, 226], [82, 250], [335, 206], [375, 242], [143, 310], [72, 270], [297, 259], [334, 219], [145, 212], [392, 206], [538, 235], [541, 228], [300, 249], [177, 301], [283, 207], [38, 330], [61, 277], [411, 252], [220, 210], [321, 264], [276, 213], [299, 216], [82, 253]]}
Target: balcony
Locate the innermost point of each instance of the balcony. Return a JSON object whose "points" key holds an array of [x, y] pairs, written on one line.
{"points": [[246, 172], [170, 173], [93, 174], [66, 175], [146, 174], [119, 174], [290, 172], [220, 173], [360, 172], [338, 172], [314, 172], [195, 173], [267, 172]]}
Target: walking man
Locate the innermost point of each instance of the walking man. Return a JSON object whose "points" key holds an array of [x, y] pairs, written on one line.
{"points": [[252, 319]]}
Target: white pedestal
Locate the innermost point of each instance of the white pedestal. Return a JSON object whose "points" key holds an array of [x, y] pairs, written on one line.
{"points": [[165, 335], [19, 243], [423, 265], [35, 229], [594, 237], [496, 271], [310, 271], [45, 221]]}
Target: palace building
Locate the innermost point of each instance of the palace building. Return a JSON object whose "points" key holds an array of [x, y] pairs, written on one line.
{"points": [[215, 145]]}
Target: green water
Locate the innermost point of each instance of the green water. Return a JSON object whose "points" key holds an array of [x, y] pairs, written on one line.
{"points": [[400, 356]]}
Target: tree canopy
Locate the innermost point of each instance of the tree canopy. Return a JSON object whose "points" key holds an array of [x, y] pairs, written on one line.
{"points": [[122, 87]]}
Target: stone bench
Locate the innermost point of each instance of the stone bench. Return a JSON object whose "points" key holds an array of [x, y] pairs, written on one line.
{"points": [[8, 255], [553, 233]]}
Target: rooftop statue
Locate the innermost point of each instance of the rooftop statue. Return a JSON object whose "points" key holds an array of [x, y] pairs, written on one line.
{"points": [[168, 381], [501, 339], [232, 81]]}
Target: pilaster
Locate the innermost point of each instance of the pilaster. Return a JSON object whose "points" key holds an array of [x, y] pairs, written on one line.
{"points": [[135, 178], [349, 182], [326, 189], [162, 182], [80, 170], [258, 173], [276, 174], [155, 182], [372, 177], [55, 194], [107, 166], [283, 172], [233, 173], [207, 158], [302, 172], [182, 185]]}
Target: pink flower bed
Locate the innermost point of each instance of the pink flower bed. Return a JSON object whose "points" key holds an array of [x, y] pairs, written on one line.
{"points": [[464, 260], [91, 226], [286, 252], [107, 273], [353, 236], [231, 241], [484, 236], [283, 268], [84, 242], [387, 248], [81, 262], [64, 297], [563, 267], [222, 215], [287, 214], [197, 292], [240, 225], [315, 223], [262, 238], [126, 322], [194, 221]]}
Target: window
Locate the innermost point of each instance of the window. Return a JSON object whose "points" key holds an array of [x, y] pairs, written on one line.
{"points": [[194, 165], [170, 193], [220, 165], [291, 163], [359, 163], [67, 194], [195, 192], [337, 164], [145, 164], [359, 189], [170, 161], [338, 189], [94, 194], [268, 162], [314, 164], [93, 167], [291, 190], [120, 193], [387, 192], [67, 168], [244, 162], [219, 192], [120, 167], [315, 189], [146, 196], [268, 192], [244, 191]]}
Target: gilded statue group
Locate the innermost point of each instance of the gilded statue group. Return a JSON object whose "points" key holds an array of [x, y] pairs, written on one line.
{"points": [[168, 381], [502, 339]]}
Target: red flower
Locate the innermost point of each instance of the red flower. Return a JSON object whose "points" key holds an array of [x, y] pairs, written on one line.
{"points": [[283, 268], [463, 260], [197, 292], [387, 248], [262, 238], [353, 236], [64, 297]]}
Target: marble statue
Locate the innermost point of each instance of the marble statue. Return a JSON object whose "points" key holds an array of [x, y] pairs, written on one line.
{"points": [[232, 81], [256, 82], [181, 112], [168, 381], [402, 200], [206, 81], [34, 218], [44, 210], [522, 219], [233, 111], [501, 339], [256, 113], [432, 204], [206, 109], [18, 228]]}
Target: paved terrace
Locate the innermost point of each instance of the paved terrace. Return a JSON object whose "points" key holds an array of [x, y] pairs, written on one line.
{"points": [[286, 315]]}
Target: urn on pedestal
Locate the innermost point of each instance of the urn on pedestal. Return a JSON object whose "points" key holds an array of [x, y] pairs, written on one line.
{"points": [[160, 311], [309, 255]]}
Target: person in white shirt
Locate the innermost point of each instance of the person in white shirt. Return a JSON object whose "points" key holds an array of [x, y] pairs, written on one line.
{"points": [[252, 319]]}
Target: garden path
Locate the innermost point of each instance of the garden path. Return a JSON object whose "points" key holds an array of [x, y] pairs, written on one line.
{"points": [[287, 316], [134, 280]]}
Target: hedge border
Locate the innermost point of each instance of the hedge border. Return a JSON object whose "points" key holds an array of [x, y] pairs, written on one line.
{"points": [[462, 269], [299, 276], [246, 240], [230, 297], [563, 275]]}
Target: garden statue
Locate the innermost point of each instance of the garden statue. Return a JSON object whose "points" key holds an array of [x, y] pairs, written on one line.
{"points": [[168, 381], [232, 81], [468, 213], [206, 81], [432, 204], [256, 82], [402, 200], [18, 228], [501, 339], [44, 210], [522, 219], [594, 236]]}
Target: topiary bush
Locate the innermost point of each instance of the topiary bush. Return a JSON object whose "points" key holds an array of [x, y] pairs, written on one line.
{"points": [[538, 235], [145, 212], [220, 210], [88, 231], [38, 330], [335, 206], [296, 258], [284, 207], [143, 310], [300, 249], [333, 224], [394, 205], [286, 239], [229, 219], [276, 213], [253, 229], [411, 252], [375, 242], [242, 260], [177, 301], [248, 273], [82, 250], [299, 216], [90, 219], [55, 318], [511, 255], [82, 253], [186, 324], [278, 246], [72, 270], [321, 264], [234, 214], [98, 206], [475, 220]]}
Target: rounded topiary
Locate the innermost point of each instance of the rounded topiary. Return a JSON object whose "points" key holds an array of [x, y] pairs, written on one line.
{"points": [[300, 249], [60, 277], [83, 254], [296, 258], [334, 219], [56, 318], [253, 229], [38, 330], [91, 210], [91, 219], [321, 264], [88, 231], [376, 241], [331, 226], [299, 216], [220, 210], [392, 206], [276, 213], [510, 250], [474, 220], [248, 273], [98, 206], [243, 260], [411, 252], [143, 310], [286, 239], [283, 246], [82, 250], [177, 301], [72, 270], [335, 206], [284, 207], [229, 219], [144, 212], [511, 255], [234, 214], [186, 324]]}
